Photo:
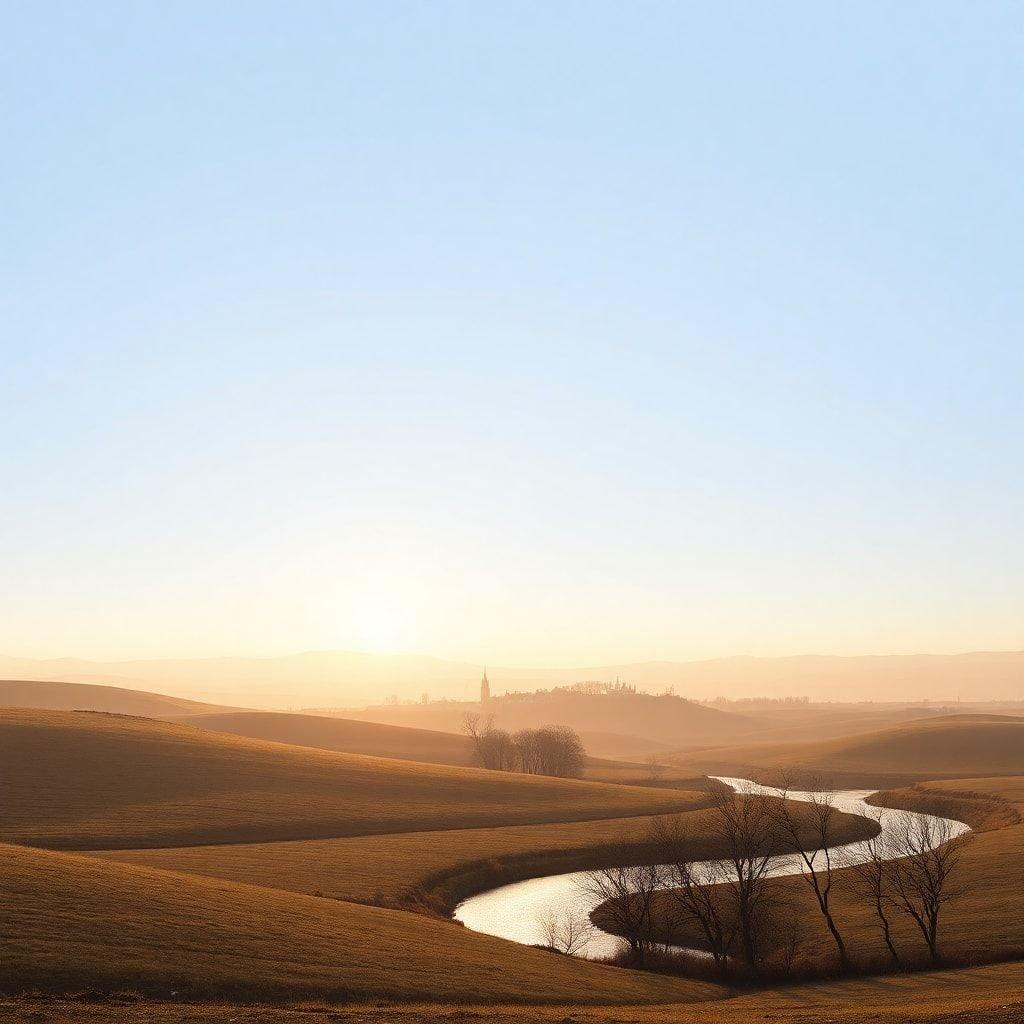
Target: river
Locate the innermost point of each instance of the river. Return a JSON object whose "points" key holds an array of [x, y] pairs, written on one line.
{"points": [[518, 911]]}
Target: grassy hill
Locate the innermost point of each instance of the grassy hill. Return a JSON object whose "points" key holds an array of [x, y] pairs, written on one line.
{"points": [[93, 781], [72, 923], [443, 867], [57, 696], [341, 734], [993, 994], [956, 746], [663, 719]]}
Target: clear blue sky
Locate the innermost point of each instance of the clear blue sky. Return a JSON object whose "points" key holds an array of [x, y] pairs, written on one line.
{"points": [[525, 332]]}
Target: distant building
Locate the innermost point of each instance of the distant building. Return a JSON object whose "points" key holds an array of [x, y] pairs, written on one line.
{"points": [[485, 689]]}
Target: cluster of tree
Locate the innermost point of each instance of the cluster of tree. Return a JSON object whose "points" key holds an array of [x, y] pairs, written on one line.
{"points": [[595, 687], [769, 702], [552, 750], [739, 917]]}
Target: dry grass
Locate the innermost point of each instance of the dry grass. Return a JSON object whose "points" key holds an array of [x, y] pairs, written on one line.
{"points": [[340, 734], [984, 804], [980, 995], [71, 922], [93, 781], [49, 695], [364, 867], [445, 866], [957, 746]]}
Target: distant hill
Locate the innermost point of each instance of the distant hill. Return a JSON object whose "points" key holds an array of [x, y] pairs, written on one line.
{"points": [[347, 678], [353, 737], [81, 780], [660, 720], [49, 695], [954, 746]]}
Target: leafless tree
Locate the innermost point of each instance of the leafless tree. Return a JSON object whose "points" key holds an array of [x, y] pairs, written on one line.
{"points": [[743, 826], [568, 931], [625, 897], [692, 887], [474, 724], [871, 880], [493, 747], [552, 750], [476, 727], [927, 852], [655, 769], [811, 836]]}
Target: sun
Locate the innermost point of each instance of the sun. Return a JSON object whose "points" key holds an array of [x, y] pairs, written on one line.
{"points": [[378, 628]]}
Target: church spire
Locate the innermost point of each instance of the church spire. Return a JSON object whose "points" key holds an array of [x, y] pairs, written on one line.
{"points": [[485, 689]]}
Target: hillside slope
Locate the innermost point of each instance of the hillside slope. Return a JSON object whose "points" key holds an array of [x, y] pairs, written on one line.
{"points": [[340, 734], [48, 695], [956, 746], [92, 781], [71, 923], [662, 718]]}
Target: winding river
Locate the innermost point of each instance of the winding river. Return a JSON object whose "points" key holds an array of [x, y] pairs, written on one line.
{"points": [[518, 911]]}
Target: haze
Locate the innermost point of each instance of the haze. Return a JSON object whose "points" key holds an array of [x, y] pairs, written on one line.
{"points": [[512, 336]]}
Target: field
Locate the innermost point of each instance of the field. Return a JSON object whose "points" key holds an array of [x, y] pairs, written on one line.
{"points": [[451, 864], [71, 922], [45, 695], [980, 995], [247, 869], [339, 734], [93, 781], [955, 746]]}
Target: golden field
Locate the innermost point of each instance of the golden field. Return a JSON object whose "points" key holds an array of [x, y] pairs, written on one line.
{"points": [[71, 922], [93, 781], [452, 862], [954, 746], [220, 866], [980, 995], [341, 734]]}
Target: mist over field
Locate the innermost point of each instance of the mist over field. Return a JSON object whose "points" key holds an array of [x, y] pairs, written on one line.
{"points": [[348, 679]]}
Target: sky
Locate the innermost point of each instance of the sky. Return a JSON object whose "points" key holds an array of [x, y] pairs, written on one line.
{"points": [[522, 333]]}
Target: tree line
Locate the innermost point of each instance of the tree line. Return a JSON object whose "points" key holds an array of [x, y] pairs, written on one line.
{"points": [[551, 750], [732, 910]]}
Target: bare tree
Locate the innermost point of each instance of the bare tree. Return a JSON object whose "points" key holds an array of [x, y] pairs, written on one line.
{"points": [[625, 896], [552, 750], [692, 888], [655, 769], [811, 836], [927, 852], [498, 751], [871, 880], [493, 747], [743, 826], [476, 727], [568, 931]]}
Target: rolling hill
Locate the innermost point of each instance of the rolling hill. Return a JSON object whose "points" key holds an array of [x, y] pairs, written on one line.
{"points": [[73, 923], [663, 718], [341, 734], [955, 746], [79, 780], [52, 695]]}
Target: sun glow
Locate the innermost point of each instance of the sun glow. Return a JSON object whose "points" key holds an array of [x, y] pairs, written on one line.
{"points": [[378, 628]]}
